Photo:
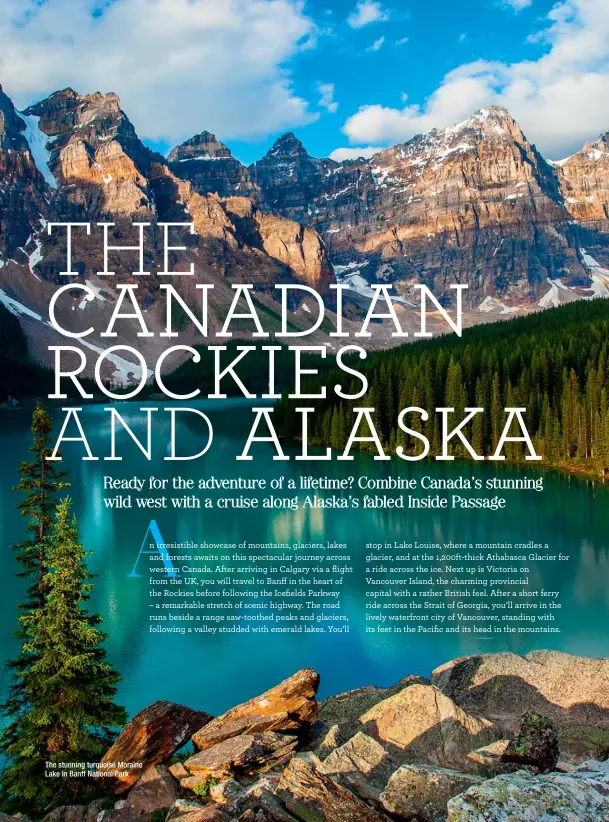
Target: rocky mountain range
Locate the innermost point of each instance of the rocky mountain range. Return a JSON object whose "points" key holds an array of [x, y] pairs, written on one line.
{"points": [[475, 203], [78, 158]]}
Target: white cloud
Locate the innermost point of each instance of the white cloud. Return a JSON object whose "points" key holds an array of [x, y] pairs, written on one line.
{"points": [[402, 41], [179, 66], [561, 99], [366, 12], [354, 153], [377, 45], [518, 5], [326, 97]]}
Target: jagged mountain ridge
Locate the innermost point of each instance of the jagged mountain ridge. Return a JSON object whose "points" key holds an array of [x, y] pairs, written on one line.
{"points": [[23, 194], [211, 168], [473, 203], [78, 158], [95, 167]]}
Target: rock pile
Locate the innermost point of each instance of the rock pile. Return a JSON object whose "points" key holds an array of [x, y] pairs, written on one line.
{"points": [[471, 747]]}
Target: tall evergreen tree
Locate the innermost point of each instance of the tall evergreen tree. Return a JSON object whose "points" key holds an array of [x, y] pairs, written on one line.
{"points": [[40, 481], [69, 685]]}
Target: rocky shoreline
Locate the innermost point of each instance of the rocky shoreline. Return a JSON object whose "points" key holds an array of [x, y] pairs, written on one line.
{"points": [[489, 738]]}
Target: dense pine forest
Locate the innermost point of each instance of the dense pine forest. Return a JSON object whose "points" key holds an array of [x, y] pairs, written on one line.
{"points": [[554, 363], [19, 376]]}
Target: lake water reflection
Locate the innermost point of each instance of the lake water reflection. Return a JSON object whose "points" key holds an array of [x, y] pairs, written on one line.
{"points": [[215, 672]]}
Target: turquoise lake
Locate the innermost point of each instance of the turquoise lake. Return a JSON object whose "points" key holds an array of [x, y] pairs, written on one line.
{"points": [[213, 673]]}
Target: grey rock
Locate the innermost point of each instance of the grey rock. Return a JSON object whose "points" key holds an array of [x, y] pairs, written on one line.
{"points": [[362, 765], [421, 792], [345, 710], [260, 798], [572, 691], [325, 741], [241, 753], [155, 790], [66, 813], [582, 796], [312, 796], [423, 726]]}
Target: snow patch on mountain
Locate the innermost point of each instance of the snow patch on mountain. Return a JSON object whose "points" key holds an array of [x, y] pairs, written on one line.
{"points": [[560, 163], [552, 298], [350, 276], [94, 293], [490, 304], [200, 157], [37, 141], [124, 369], [599, 275], [35, 257], [18, 309]]}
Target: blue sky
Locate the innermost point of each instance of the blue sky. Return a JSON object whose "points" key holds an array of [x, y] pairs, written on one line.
{"points": [[347, 77], [441, 35]]}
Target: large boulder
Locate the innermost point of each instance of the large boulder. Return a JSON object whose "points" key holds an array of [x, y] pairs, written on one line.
{"points": [[572, 691], [150, 738], [259, 799], [208, 813], [186, 811], [582, 796], [64, 813], [95, 811], [489, 759], [70, 813], [411, 791], [422, 725], [240, 754], [122, 815], [312, 796], [362, 765], [536, 744], [422, 792], [155, 790], [289, 706], [344, 710]]}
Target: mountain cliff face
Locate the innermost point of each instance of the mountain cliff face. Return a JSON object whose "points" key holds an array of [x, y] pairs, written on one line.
{"points": [[99, 164], [584, 180], [78, 158], [474, 203], [300, 249], [211, 168], [289, 179], [23, 190]]}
